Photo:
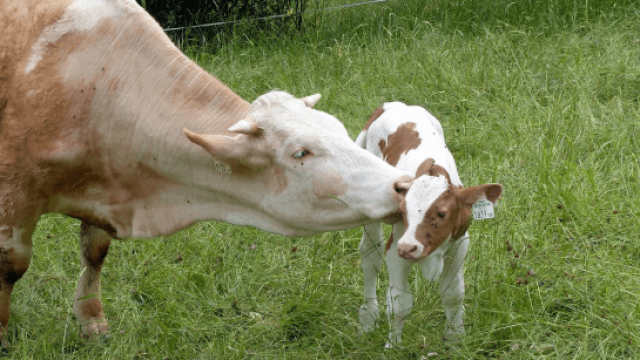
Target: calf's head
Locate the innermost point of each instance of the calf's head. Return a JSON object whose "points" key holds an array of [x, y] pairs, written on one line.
{"points": [[435, 211], [309, 175]]}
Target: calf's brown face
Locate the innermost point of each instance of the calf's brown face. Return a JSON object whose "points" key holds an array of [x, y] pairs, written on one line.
{"points": [[436, 211]]}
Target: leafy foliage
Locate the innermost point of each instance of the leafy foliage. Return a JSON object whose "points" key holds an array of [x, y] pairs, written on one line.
{"points": [[179, 13]]}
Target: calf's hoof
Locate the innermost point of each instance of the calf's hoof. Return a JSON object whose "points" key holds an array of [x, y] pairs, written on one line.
{"points": [[453, 338], [369, 315]]}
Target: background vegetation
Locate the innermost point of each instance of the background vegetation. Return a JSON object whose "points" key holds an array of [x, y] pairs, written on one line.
{"points": [[541, 96], [240, 15]]}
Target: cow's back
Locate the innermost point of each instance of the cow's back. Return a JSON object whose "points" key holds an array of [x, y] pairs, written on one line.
{"points": [[46, 143]]}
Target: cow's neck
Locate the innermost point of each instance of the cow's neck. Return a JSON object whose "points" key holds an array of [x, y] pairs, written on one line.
{"points": [[152, 179]]}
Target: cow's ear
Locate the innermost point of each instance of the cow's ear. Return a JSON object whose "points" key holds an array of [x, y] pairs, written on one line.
{"points": [[471, 195], [311, 100], [240, 150], [247, 127]]}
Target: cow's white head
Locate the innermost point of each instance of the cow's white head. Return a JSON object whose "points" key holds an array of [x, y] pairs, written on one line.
{"points": [[309, 175], [436, 211]]}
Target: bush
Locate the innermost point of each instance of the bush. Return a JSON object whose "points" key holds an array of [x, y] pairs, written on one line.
{"points": [[179, 13]]}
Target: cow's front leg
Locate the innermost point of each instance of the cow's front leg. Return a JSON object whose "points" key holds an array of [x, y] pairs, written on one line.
{"points": [[371, 250], [94, 245], [399, 297], [15, 257], [452, 289]]}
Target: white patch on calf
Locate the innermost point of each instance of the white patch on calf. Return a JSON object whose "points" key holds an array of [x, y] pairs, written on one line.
{"points": [[432, 266], [80, 16]]}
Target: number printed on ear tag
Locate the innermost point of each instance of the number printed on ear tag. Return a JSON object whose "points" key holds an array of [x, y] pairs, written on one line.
{"points": [[483, 209], [222, 167]]}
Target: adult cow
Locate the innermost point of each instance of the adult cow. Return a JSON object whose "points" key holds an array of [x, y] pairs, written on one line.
{"points": [[93, 101]]}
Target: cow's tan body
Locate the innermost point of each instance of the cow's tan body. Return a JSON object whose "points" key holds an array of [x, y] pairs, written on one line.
{"points": [[93, 102], [68, 140]]}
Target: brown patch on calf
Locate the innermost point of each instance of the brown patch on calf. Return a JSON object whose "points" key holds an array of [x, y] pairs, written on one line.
{"points": [[468, 197], [404, 139], [472, 194], [464, 221], [389, 242], [438, 222], [429, 167], [437, 170], [374, 116]]}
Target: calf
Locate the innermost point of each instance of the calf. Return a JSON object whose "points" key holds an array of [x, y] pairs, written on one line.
{"points": [[436, 210]]}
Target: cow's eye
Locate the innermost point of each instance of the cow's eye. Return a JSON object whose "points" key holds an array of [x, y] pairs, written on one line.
{"points": [[442, 214], [300, 154]]}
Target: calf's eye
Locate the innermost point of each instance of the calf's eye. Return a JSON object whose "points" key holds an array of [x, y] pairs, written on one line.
{"points": [[441, 214]]}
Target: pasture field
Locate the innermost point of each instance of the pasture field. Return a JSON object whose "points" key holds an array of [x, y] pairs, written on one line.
{"points": [[543, 97]]}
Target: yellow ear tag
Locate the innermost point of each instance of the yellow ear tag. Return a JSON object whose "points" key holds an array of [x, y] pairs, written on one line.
{"points": [[222, 167]]}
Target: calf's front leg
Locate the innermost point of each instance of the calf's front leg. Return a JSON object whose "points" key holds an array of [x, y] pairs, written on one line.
{"points": [[94, 245], [371, 250], [452, 289], [399, 298]]}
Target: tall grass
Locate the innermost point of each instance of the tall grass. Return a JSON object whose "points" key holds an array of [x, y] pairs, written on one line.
{"points": [[542, 97]]}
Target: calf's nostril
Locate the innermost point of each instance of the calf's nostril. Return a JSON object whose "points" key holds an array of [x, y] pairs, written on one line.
{"points": [[413, 248]]}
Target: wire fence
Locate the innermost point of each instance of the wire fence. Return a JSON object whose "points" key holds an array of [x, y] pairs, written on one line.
{"points": [[219, 23]]}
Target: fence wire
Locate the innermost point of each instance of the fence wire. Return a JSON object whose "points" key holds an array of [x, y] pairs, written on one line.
{"points": [[275, 16]]}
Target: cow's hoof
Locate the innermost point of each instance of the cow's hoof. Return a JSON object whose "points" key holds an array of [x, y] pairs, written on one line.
{"points": [[95, 330], [4, 345]]}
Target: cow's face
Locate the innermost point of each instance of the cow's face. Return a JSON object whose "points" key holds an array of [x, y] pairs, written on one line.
{"points": [[312, 177], [435, 211]]}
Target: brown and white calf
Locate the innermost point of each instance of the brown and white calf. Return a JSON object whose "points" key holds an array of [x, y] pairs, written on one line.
{"points": [[94, 98], [436, 211]]}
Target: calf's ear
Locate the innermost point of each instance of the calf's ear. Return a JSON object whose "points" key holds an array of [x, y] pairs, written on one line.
{"points": [[425, 167], [471, 195], [246, 150]]}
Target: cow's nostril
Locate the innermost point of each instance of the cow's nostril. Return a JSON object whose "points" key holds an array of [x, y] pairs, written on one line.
{"points": [[399, 188], [402, 184]]}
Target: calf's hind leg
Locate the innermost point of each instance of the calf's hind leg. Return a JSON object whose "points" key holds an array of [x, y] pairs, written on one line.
{"points": [[94, 245], [15, 257]]}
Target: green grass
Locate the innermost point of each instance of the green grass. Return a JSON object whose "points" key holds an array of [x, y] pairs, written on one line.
{"points": [[543, 99]]}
